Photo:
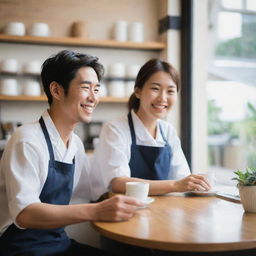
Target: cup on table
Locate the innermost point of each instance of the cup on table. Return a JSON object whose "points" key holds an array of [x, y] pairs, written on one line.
{"points": [[210, 177], [136, 189]]}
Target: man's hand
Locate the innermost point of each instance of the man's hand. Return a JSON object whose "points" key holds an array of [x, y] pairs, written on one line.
{"points": [[116, 208]]}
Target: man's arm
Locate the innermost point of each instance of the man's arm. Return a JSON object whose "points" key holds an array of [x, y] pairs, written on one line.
{"points": [[47, 216]]}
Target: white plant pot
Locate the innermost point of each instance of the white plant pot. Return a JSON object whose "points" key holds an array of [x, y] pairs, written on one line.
{"points": [[248, 197]]}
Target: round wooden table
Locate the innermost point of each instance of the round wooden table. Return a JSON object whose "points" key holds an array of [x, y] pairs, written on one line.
{"points": [[177, 222]]}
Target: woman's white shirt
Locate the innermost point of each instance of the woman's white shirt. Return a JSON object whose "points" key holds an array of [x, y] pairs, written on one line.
{"points": [[113, 152], [24, 168]]}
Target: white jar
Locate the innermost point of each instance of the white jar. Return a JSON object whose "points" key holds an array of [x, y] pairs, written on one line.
{"points": [[116, 70], [32, 67], [116, 88], [9, 86], [129, 88], [136, 32], [103, 90], [120, 31], [132, 71], [9, 66], [39, 29], [15, 28], [31, 88]]}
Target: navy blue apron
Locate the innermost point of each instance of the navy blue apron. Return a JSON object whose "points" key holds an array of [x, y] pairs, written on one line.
{"points": [[57, 190], [147, 162]]}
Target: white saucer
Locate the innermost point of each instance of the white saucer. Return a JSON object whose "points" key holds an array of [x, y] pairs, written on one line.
{"points": [[148, 201], [202, 193]]}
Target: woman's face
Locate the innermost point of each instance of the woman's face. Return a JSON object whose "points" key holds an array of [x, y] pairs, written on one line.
{"points": [[157, 96]]}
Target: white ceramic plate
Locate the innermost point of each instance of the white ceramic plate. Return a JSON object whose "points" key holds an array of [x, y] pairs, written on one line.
{"points": [[203, 193]]}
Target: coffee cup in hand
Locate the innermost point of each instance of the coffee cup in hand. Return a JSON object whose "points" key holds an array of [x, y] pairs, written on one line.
{"points": [[210, 178], [138, 190]]}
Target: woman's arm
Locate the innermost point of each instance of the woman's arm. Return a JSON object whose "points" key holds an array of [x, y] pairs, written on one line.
{"points": [[159, 187]]}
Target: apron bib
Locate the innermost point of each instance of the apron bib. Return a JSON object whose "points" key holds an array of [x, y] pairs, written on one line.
{"points": [[148, 162], [56, 190]]}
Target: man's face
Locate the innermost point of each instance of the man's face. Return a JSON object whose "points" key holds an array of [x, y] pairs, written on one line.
{"points": [[82, 97]]}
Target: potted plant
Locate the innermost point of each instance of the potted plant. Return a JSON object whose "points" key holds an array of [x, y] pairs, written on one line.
{"points": [[247, 188]]}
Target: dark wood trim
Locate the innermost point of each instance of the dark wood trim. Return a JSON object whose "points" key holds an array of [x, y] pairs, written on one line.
{"points": [[169, 22], [186, 77]]}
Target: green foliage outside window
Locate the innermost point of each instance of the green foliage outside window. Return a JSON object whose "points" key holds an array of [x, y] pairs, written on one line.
{"points": [[244, 46]]}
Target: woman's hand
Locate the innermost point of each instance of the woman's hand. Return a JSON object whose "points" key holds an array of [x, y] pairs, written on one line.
{"points": [[192, 182], [116, 208]]}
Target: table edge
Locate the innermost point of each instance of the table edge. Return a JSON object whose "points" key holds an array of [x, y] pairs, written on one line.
{"points": [[175, 246]]}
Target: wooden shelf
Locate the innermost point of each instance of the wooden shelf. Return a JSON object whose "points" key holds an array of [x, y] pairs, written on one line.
{"points": [[72, 41], [43, 98]]}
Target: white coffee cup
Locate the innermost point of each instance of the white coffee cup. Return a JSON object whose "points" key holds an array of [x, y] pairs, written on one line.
{"points": [[15, 28], [9, 66], [31, 88], [39, 29], [139, 190], [210, 176], [9, 86]]}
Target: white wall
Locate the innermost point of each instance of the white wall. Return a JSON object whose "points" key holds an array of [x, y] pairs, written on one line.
{"points": [[199, 108]]}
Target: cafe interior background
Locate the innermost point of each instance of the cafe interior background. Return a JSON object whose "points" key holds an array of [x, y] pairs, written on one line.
{"points": [[212, 43]]}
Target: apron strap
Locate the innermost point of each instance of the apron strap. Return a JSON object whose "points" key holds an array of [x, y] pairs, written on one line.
{"points": [[47, 138], [132, 128]]}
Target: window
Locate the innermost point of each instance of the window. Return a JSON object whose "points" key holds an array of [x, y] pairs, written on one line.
{"points": [[231, 87]]}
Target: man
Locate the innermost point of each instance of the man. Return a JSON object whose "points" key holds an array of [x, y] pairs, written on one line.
{"points": [[44, 165]]}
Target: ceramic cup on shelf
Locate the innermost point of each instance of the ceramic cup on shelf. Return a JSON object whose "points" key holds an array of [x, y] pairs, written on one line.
{"points": [[39, 29], [116, 70], [15, 28], [103, 90], [129, 88], [120, 31], [31, 88], [9, 86], [32, 67], [116, 88], [136, 32], [9, 66], [132, 71]]}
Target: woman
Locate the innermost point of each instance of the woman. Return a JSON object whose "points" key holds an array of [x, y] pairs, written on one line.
{"points": [[141, 146]]}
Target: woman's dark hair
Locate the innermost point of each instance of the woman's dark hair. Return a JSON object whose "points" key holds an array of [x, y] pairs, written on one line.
{"points": [[146, 71], [62, 68]]}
